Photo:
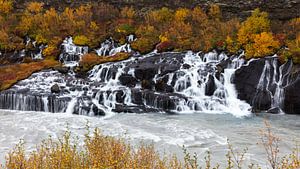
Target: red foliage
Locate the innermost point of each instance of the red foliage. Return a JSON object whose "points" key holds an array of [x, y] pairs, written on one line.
{"points": [[165, 46]]}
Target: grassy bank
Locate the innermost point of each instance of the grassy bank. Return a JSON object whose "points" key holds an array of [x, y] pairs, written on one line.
{"points": [[11, 74]]}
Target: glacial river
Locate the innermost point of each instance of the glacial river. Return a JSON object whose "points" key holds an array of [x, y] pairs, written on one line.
{"points": [[198, 132]]}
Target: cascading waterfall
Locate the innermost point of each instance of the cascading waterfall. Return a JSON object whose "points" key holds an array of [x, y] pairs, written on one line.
{"points": [[195, 81], [109, 47], [71, 53], [167, 82]]}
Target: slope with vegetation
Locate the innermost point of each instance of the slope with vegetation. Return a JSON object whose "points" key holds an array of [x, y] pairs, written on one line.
{"points": [[165, 29]]}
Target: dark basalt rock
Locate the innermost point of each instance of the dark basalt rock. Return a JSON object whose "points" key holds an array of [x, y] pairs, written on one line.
{"points": [[148, 84], [292, 97], [275, 110], [246, 79], [62, 70], [137, 97], [97, 111], [128, 80], [262, 100], [161, 86], [210, 86], [186, 66], [55, 89]]}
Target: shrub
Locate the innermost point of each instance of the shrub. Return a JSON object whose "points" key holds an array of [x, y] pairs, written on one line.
{"points": [[81, 40], [6, 6], [50, 52], [257, 23], [35, 7], [89, 60], [165, 46], [100, 151], [264, 45]]}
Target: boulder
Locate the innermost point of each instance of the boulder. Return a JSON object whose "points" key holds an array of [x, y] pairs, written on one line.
{"points": [[97, 111], [55, 89], [161, 86], [62, 70], [148, 84], [210, 86], [146, 71], [128, 80]]}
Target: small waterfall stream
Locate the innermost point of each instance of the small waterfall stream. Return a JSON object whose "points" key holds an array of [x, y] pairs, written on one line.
{"points": [[272, 82]]}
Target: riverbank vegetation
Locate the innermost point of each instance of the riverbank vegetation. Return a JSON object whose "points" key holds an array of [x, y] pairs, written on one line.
{"points": [[101, 151], [165, 29]]}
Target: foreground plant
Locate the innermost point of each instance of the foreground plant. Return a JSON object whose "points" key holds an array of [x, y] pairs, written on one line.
{"points": [[105, 152]]}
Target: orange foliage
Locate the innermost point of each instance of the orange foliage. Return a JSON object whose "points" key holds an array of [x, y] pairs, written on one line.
{"points": [[89, 60], [264, 45], [128, 13], [6, 6], [35, 7], [11, 74]]}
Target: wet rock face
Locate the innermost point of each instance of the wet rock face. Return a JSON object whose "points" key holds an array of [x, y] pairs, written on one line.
{"points": [[292, 97], [210, 86], [268, 86], [128, 80], [246, 79], [262, 100]]}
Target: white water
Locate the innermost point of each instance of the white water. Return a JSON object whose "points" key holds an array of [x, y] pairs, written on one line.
{"points": [[103, 85], [110, 48], [198, 132], [71, 52], [271, 76], [224, 99]]}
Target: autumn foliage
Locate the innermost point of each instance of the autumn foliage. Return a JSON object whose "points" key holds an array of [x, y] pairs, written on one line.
{"points": [[164, 29]]}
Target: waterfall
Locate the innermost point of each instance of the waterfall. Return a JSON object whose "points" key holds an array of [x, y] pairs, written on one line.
{"points": [[168, 82], [109, 47], [71, 53], [272, 81]]}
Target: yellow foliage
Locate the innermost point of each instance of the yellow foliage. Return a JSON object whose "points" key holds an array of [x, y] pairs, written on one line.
{"points": [[6, 6], [81, 40], [40, 39], [215, 12], [163, 38], [257, 23], [231, 45], [128, 12], [4, 40], [35, 7], [50, 52], [160, 17], [264, 44], [199, 16], [182, 14]]}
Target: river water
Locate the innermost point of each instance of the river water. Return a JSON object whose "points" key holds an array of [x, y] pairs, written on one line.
{"points": [[199, 132]]}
